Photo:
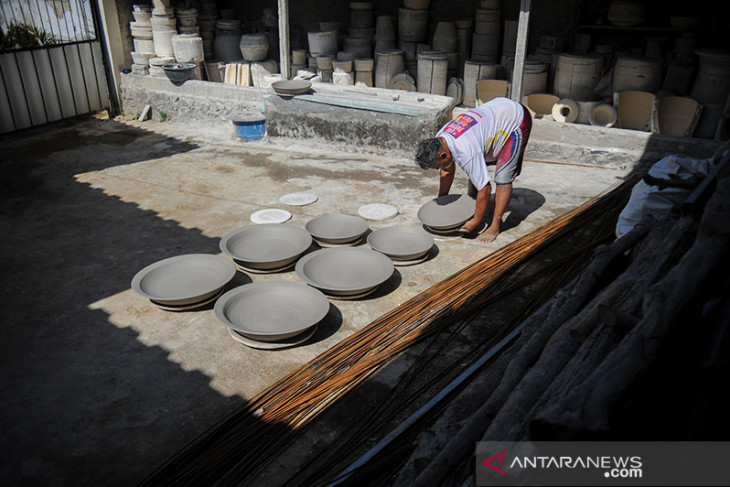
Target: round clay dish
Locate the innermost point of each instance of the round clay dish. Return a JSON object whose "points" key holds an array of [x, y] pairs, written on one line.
{"points": [[337, 229], [447, 211], [184, 279], [271, 310], [275, 345], [266, 246], [401, 243], [270, 215], [377, 211], [345, 270], [291, 87], [298, 199]]}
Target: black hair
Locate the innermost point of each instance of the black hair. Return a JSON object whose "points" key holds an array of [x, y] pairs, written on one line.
{"points": [[427, 153]]}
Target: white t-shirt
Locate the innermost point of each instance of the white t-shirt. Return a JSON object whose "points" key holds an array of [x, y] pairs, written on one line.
{"points": [[480, 130]]}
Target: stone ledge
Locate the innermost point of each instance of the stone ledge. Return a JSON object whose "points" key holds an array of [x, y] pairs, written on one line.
{"points": [[615, 147], [358, 118], [190, 101]]}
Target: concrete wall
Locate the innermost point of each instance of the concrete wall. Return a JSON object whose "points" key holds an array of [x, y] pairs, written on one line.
{"points": [[358, 119], [192, 101], [369, 131], [586, 144]]}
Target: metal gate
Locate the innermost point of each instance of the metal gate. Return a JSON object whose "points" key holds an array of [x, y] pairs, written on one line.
{"points": [[51, 63]]}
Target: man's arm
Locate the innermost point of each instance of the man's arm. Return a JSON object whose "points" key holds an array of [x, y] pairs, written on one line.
{"points": [[446, 179], [479, 210]]}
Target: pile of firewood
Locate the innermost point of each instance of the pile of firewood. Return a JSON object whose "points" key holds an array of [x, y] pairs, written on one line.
{"points": [[629, 350]]}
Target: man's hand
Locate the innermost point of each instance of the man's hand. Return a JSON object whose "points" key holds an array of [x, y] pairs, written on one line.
{"points": [[469, 226]]}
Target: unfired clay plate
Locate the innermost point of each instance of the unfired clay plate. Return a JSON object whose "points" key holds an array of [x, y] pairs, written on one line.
{"points": [[337, 229], [401, 243], [345, 270], [184, 279], [377, 211], [275, 345], [188, 307], [270, 215], [266, 246], [298, 199], [447, 211], [271, 310]]}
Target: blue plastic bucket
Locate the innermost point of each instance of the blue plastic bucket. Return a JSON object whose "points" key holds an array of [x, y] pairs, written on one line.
{"points": [[249, 126]]}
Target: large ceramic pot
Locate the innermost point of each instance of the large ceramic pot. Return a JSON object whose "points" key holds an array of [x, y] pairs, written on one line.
{"points": [[254, 46]]}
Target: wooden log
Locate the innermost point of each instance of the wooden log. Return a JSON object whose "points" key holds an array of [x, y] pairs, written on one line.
{"points": [[566, 304], [587, 408], [618, 320], [511, 422], [432, 440], [582, 330], [464, 431], [623, 297]]}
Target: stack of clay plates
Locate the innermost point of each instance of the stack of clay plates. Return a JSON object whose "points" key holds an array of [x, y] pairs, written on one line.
{"points": [[272, 314], [345, 272], [184, 282], [331, 230], [404, 245], [291, 87], [266, 247], [446, 214]]}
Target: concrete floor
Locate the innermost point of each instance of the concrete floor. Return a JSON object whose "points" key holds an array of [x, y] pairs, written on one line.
{"points": [[98, 385]]}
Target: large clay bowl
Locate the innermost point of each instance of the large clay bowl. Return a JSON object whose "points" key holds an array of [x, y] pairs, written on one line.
{"points": [[179, 72], [184, 279], [337, 229], [345, 271], [401, 243], [271, 310], [266, 246], [291, 87], [447, 212]]}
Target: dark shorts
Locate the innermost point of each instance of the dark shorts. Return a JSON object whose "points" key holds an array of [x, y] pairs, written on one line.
{"points": [[509, 160]]}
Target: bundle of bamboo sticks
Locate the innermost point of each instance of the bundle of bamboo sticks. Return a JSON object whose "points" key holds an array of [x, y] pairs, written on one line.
{"points": [[237, 446]]}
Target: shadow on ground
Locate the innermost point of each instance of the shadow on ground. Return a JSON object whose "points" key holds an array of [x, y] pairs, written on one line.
{"points": [[85, 402]]}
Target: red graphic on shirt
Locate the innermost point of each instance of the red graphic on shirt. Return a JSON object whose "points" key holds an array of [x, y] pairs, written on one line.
{"points": [[459, 125]]}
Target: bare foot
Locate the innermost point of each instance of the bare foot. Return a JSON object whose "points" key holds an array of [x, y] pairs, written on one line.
{"points": [[488, 235]]}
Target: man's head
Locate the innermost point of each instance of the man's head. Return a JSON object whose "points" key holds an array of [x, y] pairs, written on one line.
{"points": [[431, 153]]}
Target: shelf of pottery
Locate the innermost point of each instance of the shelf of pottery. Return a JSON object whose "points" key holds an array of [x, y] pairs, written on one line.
{"points": [[396, 52], [666, 85], [470, 59], [214, 41], [166, 35]]}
